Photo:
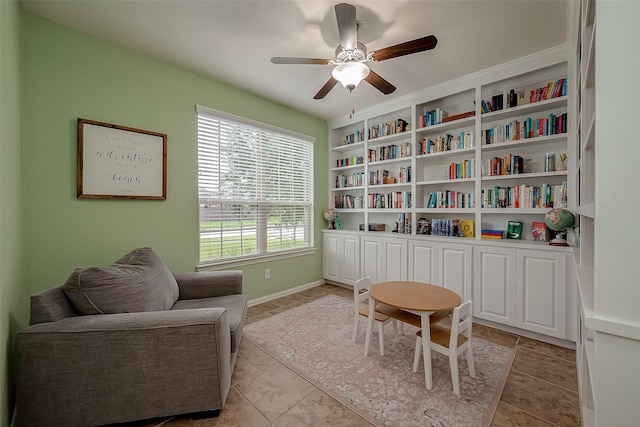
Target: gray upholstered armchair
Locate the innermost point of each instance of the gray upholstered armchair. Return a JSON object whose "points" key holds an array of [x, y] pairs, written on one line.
{"points": [[91, 369]]}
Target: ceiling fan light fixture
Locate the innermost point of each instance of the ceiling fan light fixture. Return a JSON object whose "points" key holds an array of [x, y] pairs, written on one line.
{"points": [[350, 74]]}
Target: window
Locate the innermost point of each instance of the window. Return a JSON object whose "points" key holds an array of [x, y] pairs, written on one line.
{"points": [[255, 185]]}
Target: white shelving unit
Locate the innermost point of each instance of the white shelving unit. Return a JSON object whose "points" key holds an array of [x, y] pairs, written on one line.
{"points": [[430, 171], [608, 344]]}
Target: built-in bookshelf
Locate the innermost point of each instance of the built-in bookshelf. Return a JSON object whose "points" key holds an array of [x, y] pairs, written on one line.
{"points": [[477, 151]]}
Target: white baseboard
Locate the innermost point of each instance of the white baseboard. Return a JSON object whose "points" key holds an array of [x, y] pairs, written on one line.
{"points": [[524, 333], [284, 293]]}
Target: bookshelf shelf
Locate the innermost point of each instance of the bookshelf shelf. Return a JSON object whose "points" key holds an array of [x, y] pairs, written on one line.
{"points": [[348, 188], [549, 139], [345, 168], [390, 161], [524, 176], [531, 108], [442, 127], [388, 138], [445, 181], [348, 147]]}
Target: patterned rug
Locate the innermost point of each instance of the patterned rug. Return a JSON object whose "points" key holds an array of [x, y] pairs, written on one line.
{"points": [[315, 341]]}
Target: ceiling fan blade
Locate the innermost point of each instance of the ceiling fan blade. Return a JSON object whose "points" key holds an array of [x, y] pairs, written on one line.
{"points": [[406, 48], [379, 83], [326, 88], [313, 61], [347, 26]]}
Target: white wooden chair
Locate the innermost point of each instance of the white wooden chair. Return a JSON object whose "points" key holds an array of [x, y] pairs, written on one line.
{"points": [[361, 311], [451, 342]]}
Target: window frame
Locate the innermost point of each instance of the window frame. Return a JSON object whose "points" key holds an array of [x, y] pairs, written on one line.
{"points": [[262, 255]]}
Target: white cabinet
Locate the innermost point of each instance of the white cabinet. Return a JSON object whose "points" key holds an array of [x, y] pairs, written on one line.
{"points": [[371, 258], [423, 258], [494, 284], [341, 257], [454, 268], [525, 288], [394, 259], [383, 258], [332, 262], [541, 291]]}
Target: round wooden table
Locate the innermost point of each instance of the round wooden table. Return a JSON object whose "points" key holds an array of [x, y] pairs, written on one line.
{"points": [[419, 298]]}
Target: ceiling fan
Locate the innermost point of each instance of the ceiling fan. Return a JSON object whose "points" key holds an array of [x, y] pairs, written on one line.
{"points": [[350, 68]]}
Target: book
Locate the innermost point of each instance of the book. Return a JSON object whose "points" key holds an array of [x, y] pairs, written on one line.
{"points": [[514, 229], [539, 232], [491, 234], [466, 225], [423, 226]]}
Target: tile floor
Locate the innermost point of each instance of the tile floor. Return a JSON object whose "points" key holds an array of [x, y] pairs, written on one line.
{"points": [[541, 390]]}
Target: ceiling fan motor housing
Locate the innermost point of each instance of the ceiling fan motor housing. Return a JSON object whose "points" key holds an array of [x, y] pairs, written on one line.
{"points": [[359, 54]]}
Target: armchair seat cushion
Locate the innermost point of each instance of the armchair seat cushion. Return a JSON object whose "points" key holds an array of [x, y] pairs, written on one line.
{"points": [[137, 282], [236, 306]]}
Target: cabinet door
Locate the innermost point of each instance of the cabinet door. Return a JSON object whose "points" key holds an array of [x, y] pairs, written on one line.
{"points": [[454, 268], [371, 258], [541, 291], [395, 259], [423, 261], [350, 247], [494, 284], [331, 256]]}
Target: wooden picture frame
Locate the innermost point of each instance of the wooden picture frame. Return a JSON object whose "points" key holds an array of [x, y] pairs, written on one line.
{"points": [[118, 162]]}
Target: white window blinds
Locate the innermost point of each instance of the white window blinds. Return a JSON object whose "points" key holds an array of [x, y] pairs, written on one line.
{"points": [[255, 185]]}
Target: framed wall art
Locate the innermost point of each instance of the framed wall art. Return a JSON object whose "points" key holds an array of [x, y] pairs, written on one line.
{"points": [[118, 162]]}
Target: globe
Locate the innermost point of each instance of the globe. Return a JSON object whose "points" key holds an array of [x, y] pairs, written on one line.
{"points": [[559, 220], [330, 216]]}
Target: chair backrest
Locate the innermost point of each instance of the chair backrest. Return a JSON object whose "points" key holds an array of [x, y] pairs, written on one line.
{"points": [[461, 322], [361, 291]]}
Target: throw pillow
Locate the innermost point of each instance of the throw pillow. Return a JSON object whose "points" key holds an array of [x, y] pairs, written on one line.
{"points": [[139, 281]]}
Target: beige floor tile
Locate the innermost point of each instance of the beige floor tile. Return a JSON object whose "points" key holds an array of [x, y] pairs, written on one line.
{"points": [[510, 416], [495, 336], [542, 399], [320, 409], [548, 349], [556, 371], [314, 292], [276, 390], [262, 308], [237, 412], [255, 355], [244, 370], [291, 300]]}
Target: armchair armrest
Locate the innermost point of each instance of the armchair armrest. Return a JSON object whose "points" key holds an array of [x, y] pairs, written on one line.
{"points": [[209, 284], [127, 365]]}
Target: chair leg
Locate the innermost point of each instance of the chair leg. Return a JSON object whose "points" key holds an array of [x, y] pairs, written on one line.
{"points": [[381, 338], [470, 364], [416, 355], [453, 365], [395, 329], [355, 327]]}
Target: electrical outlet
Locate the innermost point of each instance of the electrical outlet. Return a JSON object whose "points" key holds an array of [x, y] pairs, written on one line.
{"points": [[267, 273]]}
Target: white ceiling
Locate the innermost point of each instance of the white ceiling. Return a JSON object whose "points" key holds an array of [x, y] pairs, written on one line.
{"points": [[233, 41]]}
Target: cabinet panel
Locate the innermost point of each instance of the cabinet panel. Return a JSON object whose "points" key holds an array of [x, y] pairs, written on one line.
{"points": [[331, 256], [371, 258], [350, 258], [395, 259], [541, 292], [454, 268], [423, 262], [494, 284]]}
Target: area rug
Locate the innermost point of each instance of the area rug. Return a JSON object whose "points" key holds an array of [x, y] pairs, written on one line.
{"points": [[315, 340]]}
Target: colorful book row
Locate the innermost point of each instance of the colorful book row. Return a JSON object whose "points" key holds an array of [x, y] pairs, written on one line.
{"points": [[450, 199], [390, 200], [353, 180], [446, 142], [524, 196]]}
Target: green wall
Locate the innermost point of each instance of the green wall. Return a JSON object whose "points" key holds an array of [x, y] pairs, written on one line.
{"points": [[13, 301], [69, 75]]}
